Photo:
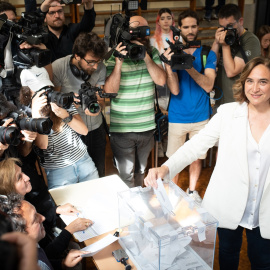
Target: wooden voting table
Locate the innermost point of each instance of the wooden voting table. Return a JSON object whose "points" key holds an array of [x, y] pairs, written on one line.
{"points": [[77, 194]]}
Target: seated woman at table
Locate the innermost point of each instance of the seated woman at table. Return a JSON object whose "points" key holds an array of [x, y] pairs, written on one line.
{"points": [[238, 194], [13, 180]]}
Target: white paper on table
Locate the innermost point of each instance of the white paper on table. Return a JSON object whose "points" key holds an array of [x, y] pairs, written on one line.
{"points": [[163, 198], [99, 245], [97, 209]]}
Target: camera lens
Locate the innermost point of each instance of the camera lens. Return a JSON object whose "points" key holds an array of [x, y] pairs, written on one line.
{"points": [[39, 125], [94, 107], [60, 99], [230, 37], [136, 52], [10, 135]]}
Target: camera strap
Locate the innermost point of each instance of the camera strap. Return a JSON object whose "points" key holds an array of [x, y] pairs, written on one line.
{"points": [[118, 54], [243, 53], [9, 67], [204, 54], [164, 59]]}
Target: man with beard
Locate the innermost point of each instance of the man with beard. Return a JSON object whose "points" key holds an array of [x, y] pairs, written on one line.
{"points": [[62, 36], [132, 111], [189, 108], [232, 58], [85, 65]]}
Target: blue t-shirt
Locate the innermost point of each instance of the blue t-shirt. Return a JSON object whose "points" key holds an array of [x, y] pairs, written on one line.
{"points": [[192, 104]]}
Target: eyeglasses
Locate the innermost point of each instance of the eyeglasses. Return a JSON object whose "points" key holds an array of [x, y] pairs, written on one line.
{"points": [[52, 13], [91, 62]]}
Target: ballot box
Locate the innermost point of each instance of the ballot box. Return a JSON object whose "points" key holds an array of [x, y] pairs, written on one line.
{"points": [[156, 236]]}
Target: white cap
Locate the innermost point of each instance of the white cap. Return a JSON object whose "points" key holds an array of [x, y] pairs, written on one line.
{"points": [[35, 78]]}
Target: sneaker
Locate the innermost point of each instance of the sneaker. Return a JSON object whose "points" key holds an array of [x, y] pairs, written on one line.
{"points": [[195, 196], [215, 17], [208, 19]]}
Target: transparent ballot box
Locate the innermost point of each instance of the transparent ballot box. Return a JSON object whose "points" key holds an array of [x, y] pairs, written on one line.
{"points": [[155, 238]]}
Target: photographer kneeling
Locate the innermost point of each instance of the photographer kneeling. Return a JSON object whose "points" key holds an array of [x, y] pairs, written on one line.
{"points": [[65, 160]]}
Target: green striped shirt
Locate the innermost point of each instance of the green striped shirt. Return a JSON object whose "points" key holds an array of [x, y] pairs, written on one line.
{"points": [[133, 108]]}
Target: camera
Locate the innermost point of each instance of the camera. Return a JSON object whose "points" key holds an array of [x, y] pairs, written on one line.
{"points": [[117, 30], [180, 60], [11, 135], [231, 34], [88, 97], [30, 29], [63, 100]]}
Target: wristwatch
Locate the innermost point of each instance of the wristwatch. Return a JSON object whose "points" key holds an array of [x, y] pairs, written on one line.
{"points": [[68, 119]]}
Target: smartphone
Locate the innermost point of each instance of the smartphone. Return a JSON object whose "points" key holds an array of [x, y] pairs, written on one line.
{"points": [[120, 254]]}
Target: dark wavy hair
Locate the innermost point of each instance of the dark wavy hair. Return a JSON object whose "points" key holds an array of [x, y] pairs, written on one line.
{"points": [[5, 106], [89, 42], [230, 10], [187, 13], [11, 205], [5, 6], [239, 86]]}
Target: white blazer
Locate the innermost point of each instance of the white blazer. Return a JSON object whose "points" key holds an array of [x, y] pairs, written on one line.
{"points": [[227, 192]]}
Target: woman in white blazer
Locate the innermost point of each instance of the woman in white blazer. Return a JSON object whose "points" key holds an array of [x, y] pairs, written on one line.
{"points": [[238, 194]]}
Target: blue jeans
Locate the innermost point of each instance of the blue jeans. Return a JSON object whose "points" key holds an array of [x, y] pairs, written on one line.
{"points": [[131, 151], [230, 242], [84, 169]]}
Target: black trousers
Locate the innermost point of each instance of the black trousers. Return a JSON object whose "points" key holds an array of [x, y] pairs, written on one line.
{"points": [[95, 141]]}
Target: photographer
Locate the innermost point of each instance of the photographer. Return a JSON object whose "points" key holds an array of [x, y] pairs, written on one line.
{"points": [[65, 160], [38, 194], [189, 108], [85, 65], [62, 36], [132, 111], [232, 58]]}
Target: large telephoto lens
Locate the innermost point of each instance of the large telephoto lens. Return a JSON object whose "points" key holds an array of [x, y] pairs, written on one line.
{"points": [[39, 125], [10, 135]]}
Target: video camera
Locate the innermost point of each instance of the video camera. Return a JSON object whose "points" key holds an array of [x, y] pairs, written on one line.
{"points": [[231, 34], [179, 59], [30, 29], [88, 97], [11, 135], [118, 30]]}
